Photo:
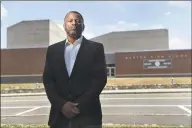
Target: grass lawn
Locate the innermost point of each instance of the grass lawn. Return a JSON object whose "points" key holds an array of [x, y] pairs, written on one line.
{"points": [[148, 80], [115, 81]]}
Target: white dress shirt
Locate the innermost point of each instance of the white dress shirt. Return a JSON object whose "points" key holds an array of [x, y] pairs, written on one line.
{"points": [[71, 51]]}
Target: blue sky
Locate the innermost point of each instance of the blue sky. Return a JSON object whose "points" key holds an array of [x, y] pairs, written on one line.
{"points": [[105, 16]]}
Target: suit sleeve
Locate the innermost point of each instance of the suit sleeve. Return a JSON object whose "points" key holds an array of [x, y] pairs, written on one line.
{"points": [[49, 85], [99, 79]]}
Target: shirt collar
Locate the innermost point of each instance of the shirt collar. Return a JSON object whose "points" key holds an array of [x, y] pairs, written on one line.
{"points": [[78, 41]]}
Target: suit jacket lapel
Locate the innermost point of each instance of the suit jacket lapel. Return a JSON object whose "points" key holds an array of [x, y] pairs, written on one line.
{"points": [[79, 56], [62, 58]]}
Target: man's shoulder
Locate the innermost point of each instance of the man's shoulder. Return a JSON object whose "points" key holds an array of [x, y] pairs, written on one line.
{"points": [[56, 45]]}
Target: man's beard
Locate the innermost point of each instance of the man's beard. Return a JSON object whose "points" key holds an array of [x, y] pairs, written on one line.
{"points": [[74, 33]]}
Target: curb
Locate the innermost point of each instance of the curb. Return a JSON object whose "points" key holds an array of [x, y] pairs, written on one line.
{"points": [[135, 91], [139, 91]]}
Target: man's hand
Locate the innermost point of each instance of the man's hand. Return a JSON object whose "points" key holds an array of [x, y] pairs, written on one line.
{"points": [[70, 109]]}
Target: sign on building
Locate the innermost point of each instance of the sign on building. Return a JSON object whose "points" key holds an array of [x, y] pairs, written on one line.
{"points": [[157, 63]]}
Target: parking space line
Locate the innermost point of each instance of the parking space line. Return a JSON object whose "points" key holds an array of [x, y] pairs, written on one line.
{"points": [[30, 110], [141, 105], [113, 98], [106, 105], [18, 107], [185, 109], [107, 114]]}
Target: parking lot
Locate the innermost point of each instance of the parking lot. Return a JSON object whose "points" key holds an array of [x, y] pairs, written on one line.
{"points": [[161, 109]]}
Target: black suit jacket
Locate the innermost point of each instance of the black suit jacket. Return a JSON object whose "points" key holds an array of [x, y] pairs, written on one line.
{"points": [[87, 80]]}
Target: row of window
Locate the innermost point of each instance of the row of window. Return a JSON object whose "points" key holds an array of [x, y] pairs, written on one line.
{"points": [[158, 57]]}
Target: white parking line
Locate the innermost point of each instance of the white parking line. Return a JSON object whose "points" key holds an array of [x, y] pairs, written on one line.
{"points": [[107, 114], [141, 105], [132, 98], [17, 107], [124, 105], [30, 110], [146, 98], [185, 109]]}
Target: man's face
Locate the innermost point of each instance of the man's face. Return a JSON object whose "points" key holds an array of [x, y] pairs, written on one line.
{"points": [[73, 25]]}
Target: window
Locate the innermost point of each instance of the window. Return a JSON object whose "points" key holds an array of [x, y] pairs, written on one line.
{"points": [[107, 71], [112, 71], [110, 65]]}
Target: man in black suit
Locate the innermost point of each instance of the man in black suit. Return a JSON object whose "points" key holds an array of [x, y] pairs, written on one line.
{"points": [[73, 77]]}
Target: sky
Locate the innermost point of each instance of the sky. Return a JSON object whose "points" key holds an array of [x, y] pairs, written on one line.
{"points": [[102, 17]]}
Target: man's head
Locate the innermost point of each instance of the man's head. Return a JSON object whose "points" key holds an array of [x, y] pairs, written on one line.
{"points": [[74, 24]]}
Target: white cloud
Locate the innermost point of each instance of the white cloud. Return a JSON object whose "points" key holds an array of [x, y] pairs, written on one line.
{"points": [[179, 43], [168, 13], [3, 11], [158, 26], [88, 34], [180, 4], [121, 26]]}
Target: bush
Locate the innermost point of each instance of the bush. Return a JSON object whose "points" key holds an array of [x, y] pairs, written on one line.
{"points": [[105, 126]]}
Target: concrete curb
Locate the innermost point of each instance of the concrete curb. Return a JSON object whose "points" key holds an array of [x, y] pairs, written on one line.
{"points": [[131, 91], [135, 91]]}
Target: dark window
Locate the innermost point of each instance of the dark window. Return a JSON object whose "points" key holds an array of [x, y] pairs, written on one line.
{"points": [[112, 72], [110, 65]]}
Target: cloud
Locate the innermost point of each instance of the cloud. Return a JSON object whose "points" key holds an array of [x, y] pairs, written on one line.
{"points": [[122, 26], [158, 26], [180, 4], [179, 43], [168, 13], [3, 11]]}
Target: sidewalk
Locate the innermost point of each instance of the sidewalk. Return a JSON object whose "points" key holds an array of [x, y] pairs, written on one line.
{"points": [[131, 91]]}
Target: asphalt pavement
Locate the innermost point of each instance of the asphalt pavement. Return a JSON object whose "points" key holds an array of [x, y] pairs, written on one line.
{"points": [[154, 108]]}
